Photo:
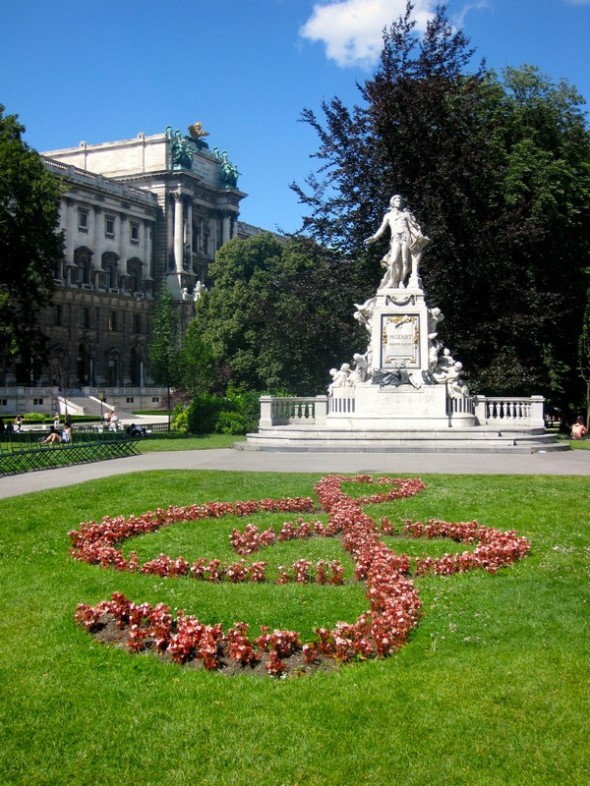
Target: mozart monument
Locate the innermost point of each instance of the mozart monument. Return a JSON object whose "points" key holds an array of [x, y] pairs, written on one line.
{"points": [[403, 391]]}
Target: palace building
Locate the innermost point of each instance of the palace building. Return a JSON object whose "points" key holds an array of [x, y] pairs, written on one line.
{"points": [[135, 213]]}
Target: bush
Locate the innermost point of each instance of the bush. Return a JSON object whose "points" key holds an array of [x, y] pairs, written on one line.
{"points": [[180, 420], [203, 413], [245, 411], [35, 417], [232, 423], [236, 413]]}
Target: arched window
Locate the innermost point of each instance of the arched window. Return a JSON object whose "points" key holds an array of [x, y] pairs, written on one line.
{"points": [[113, 368], [109, 266], [134, 267], [135, 365], [83, 261]]}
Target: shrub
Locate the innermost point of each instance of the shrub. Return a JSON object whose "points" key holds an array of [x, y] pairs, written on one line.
{"points": [[203, 413], [34, 417], [180, 419]]}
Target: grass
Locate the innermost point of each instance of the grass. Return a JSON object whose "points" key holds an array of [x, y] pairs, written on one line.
{"points": [[161, 441], [491, 690]]}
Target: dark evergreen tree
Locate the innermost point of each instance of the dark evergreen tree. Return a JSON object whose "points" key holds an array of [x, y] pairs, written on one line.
{"points": [[584, 356], [30, 244], [497, 173]]}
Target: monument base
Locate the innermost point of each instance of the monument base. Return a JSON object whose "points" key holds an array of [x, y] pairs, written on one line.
{"points": [[387, 408]]}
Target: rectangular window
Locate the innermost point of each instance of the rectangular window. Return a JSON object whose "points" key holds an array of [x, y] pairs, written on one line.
{"points": [[134, 229], [86, 318], [82, 220], [109, 226], [57, 315], [155, 399], [112, 320], [4, 402], [137, 323], [37, 402], [130, 400]]}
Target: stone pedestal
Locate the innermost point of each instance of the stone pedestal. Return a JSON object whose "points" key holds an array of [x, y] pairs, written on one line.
{"points": [[407, 386]]}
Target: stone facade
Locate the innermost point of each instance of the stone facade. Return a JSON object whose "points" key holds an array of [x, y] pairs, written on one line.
{"points": [[135, 213]]}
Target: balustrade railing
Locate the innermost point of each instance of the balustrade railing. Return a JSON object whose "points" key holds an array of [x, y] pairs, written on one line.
{"points": [[285, 410], [510, 411], [341, 405], [460, 406], [495, 411]]}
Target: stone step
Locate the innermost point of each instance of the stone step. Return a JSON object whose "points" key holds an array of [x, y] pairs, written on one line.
{"points": [[478, 440]]}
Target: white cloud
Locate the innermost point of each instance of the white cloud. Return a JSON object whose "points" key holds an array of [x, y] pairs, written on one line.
{"points": [[351, 30]]}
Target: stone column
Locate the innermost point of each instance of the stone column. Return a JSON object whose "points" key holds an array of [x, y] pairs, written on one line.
{"points": [[122, 244], [96, 255], [225, 234], [189, 232], [69, 228], [178, 232]]}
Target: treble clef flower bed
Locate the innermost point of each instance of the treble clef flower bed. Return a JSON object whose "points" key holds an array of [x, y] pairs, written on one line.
{"points": [[394, 603]]}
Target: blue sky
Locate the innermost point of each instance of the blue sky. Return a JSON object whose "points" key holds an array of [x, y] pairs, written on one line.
{"points": [[107, 70]]}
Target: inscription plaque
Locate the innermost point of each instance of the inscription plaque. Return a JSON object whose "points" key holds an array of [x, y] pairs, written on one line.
{"points": [[400, 341]]}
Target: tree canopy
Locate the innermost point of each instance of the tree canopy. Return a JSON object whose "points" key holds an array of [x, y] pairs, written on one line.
{"points": [[30, 243], [279, 314], [496, 170], [165, 344]]}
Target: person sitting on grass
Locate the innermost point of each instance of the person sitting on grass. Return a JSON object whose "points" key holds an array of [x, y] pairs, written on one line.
{"points": [[579, 430], [53, 438]]}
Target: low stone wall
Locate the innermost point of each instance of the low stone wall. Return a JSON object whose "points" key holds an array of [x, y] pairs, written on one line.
{"points": [[506, 411]]}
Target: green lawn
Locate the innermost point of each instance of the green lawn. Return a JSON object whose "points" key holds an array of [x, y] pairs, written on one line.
{"points": [[161, 441], [492, 688]]}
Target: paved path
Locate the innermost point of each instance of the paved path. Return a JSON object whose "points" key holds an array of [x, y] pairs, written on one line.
{"points": [[573, 462]]}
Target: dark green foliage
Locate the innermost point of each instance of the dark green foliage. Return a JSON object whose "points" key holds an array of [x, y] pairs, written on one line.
{"points": [[203, 413], [165, 343], [30, 243], [584, 355], [280, 314], [196, 362], [497, 171], [235, 413]]}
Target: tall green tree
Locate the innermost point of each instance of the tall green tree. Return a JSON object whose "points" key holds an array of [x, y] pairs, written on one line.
{"points": [[497, 171], [30, 243], [196, 362], [279, 314], [584, 355], [164, 350]]}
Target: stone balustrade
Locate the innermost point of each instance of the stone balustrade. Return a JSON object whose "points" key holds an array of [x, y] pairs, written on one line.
{"points": [[510, 411], [495, 411], [285, 410]]}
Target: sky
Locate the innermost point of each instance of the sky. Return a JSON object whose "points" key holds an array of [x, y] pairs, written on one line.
{"points": [[105, 70]]}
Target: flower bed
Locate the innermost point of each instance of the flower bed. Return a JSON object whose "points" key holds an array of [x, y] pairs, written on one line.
{"points": [[394, 602]]}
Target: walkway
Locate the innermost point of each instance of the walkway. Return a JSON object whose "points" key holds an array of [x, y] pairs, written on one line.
{"points": [[573, 462]]}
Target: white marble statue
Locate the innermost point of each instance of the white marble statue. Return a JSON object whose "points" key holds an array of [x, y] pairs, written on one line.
{"points": [[364, 312], [456, 388], [445, 363], [360, 372], [198, 291], [435, 315], [340, 378], [407, 243]]}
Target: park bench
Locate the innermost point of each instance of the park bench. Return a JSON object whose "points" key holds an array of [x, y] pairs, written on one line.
{"points": [[23, 452]]}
